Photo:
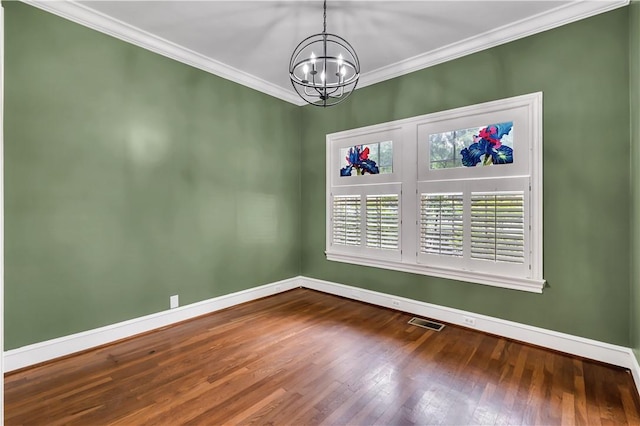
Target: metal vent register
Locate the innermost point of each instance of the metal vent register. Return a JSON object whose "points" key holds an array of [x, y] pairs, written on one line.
{"points": [[431, 325]]}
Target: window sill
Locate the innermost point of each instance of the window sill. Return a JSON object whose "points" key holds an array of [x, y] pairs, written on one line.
{"points": [[514, 283]]}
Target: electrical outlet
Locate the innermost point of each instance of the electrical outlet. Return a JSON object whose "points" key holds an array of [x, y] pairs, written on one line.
{"points": [[174, 301], [469, 321], [395, 303]]}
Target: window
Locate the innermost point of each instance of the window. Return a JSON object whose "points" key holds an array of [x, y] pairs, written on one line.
{"points": [[346, 220], [497, 226], [451, 149], [383, 221], [377, 158], [442, 224], [454, 194]]}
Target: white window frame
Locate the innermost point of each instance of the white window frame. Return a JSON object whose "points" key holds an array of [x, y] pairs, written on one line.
{"points": [[380, 184], [411, 177]]}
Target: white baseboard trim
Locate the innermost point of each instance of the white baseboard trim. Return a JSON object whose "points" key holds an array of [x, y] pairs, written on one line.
{"points": [[635, 370], [55, 348], [575, 345]]}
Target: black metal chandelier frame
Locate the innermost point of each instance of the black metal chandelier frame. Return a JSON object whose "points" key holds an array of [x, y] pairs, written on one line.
{"points": [[324, 80]]}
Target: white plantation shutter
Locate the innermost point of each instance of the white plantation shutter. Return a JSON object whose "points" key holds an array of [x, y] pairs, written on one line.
{"points": [[346, 220], [441, 224], [382, 221], [497, 226]]}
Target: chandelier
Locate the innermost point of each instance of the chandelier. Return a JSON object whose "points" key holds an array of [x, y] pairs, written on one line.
{"points": [[324, 68]]}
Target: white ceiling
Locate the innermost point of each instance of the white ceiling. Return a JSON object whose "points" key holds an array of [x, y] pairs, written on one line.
{"points": [[251, 41]]}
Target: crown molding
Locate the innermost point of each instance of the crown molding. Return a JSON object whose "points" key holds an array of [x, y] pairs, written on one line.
{"points": [[98, 21], [562, 15]]}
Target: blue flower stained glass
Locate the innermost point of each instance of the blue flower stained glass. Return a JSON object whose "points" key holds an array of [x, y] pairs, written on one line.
{"points": [[487, 145]]}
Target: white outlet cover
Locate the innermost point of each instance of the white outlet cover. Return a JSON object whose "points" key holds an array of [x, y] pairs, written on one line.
{"points": [[174, 301]]}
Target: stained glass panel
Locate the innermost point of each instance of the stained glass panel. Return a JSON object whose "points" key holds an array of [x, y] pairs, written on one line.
{"points": [[373, 158], [475, 146]]}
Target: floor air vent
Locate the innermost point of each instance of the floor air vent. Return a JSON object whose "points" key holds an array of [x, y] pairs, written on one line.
{"points": [[426, 324]]}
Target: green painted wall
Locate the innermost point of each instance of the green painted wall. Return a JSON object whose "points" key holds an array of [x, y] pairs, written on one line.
{"points": [[634, 92], [131, 177], [583, 70]]}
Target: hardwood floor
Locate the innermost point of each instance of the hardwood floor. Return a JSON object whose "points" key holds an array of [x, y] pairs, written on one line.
{"points": [[304, 357]]}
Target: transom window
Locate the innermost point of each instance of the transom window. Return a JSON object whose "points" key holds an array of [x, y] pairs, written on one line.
{"points": [[483, 145], [372, 158]]}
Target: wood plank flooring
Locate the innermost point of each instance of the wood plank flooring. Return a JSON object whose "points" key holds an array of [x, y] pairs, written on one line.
{"points": [[305, 358]]}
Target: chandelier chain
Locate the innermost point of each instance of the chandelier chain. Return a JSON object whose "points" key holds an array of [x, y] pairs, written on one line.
{"points": [[324, 28]]}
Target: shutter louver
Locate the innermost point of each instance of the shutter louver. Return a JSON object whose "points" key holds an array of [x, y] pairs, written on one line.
{"points": [[497, 226], [382, 221], [441, 224], [346, 220]]}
